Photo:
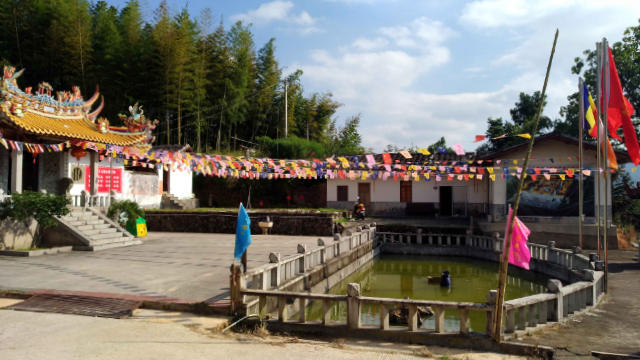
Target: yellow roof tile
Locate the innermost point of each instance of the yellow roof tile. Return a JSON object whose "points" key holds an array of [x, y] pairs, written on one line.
{"points": [[70, 128]]}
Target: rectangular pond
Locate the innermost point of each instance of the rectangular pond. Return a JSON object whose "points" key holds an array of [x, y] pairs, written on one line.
{"points": [[395, 276]]}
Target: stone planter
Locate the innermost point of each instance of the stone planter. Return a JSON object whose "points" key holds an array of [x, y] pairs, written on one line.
{"points": [[16, 234], [265, 226]]}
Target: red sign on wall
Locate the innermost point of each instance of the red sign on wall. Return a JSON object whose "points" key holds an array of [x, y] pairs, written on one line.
{"points": [[106, 181]]}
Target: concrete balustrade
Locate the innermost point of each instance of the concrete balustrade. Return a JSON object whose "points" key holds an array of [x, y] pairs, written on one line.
{"points": [[521, 314]]}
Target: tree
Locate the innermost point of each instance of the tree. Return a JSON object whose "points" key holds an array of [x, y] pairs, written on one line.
{"points": [[268, 79], [106, 48], [242, 53], [522, 121], [344, 140], [627, 57]]}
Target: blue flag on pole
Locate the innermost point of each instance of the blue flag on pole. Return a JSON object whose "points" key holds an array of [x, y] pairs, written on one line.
{"points": [[243, 233]]}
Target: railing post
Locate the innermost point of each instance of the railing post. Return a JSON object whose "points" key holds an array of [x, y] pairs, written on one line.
{"points": [[302, 249], [326, 312], [384, 317], [552, 256], [337, 238], [412, 321], [555, 286], [438, 317], [282, 309], [274, 258], [492, 296], [522, 318], [353, 305], [322, 251], [543, 312], [236, 283], [262, 307], [302, 315], [464, 321], [511, 320], [531, 311]]}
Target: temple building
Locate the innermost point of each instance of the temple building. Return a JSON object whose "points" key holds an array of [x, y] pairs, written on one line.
{"points": [[62, 145]]}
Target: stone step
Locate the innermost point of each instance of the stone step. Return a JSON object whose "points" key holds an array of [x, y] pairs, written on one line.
{"points": [[86, 222], [109, 240], [91, 232], [93, 227], [113, 235], [124, 242]]}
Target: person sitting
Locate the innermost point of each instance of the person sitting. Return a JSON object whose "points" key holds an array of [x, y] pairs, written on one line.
{"points": [[358, 210]]}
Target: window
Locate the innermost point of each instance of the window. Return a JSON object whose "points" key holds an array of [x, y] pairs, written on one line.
{"points": [[405, 191], [343, 193]]}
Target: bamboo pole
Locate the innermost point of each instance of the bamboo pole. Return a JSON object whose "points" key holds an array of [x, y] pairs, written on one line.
{"points": [[598, 160], [580, 155], [504, 263], [607, 177]]}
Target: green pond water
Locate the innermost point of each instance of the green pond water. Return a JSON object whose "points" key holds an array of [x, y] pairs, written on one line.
{"points": [[406, 276]]}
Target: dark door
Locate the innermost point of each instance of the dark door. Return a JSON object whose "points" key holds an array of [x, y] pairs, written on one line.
{"points": [[29, 172], [364, 193], [446, 201], [165, 181], [405, 191]]}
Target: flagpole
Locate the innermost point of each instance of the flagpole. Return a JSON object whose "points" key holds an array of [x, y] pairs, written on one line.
{"points": [[580, 136], [504, 263], [605, 52], [598, 124]]}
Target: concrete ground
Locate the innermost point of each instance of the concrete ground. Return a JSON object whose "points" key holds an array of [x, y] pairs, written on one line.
{"points": [[161, 335], [191, 266], [612, 327]]}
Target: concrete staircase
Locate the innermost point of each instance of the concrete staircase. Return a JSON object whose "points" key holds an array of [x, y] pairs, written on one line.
{"points": [[171, 202], [95, 231]]}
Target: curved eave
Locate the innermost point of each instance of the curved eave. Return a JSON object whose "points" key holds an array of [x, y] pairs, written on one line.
{"points": [[75, 128]]}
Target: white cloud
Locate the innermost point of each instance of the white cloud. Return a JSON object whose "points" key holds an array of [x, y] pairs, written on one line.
{"points": [[375, 76], [383, 76], [279, 11]]}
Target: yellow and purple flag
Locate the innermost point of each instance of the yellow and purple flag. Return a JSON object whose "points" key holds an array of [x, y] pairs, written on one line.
{"points": [[519, 254], [590, 113]]}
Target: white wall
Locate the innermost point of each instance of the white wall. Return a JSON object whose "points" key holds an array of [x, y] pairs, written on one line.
{"points": [[472, 191], [180, 183], [384, 191], [332, 189], [423, 191]]}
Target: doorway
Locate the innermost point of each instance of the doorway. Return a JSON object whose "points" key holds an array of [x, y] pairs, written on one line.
{"points": [[165, 181], [364, 193], [446, 201], [30, 165]]}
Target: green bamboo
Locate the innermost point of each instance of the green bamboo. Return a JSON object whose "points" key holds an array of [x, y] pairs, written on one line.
{"points": [[502, 279]]}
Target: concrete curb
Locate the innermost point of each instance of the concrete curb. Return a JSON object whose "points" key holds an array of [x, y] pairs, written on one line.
{"points": [[472, 341], [220, 307], [39, 252]]}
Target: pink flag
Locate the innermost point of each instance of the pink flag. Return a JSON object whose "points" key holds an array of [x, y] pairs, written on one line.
{"points": [[519, 254], [458, 149]]}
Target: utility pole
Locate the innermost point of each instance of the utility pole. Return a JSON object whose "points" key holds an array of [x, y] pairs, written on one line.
{"points": [[286, 108], [581, 118]]}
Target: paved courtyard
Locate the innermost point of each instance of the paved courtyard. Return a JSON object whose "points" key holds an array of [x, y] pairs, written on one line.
{"points": [[191, 266]]}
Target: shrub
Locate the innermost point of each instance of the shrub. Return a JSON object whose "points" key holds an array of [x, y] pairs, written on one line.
{"points": [[36, 205], [125, 211], [290, 148]]}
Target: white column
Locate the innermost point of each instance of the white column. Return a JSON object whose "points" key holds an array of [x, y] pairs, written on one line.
{"points": [[16, 171]]}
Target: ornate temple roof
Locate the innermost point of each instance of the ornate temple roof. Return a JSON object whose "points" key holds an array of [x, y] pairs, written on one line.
{"points": [[67, 117]]}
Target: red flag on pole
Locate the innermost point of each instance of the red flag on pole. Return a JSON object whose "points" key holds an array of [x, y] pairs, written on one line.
{"points": [[619, 114]]}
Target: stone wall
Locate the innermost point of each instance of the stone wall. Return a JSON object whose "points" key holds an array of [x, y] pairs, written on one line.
{"points": [[284, 223], [49, 172]]}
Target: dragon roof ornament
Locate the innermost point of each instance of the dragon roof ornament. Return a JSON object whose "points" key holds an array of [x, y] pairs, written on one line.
{"points": [[70, 106]]}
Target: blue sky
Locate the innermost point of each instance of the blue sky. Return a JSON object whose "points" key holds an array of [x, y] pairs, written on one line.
{"points": [[419, 69]]}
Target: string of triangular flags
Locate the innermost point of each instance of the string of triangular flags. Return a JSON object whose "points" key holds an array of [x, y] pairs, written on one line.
{"points": [[341, 168]]}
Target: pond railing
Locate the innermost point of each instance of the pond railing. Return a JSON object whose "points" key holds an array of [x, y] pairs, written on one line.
{"points": [[259, 287]]}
